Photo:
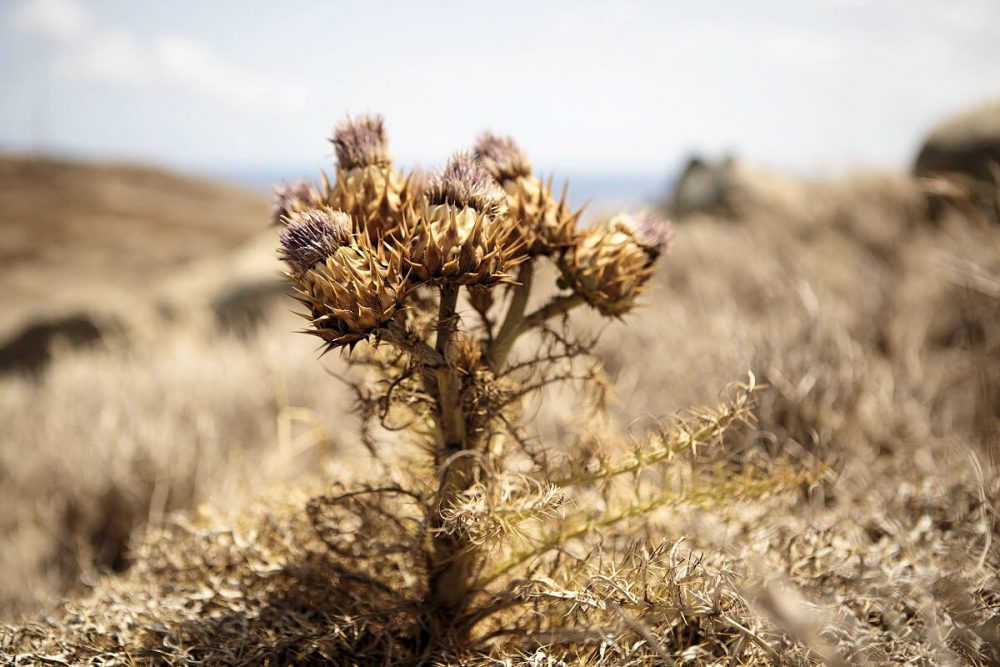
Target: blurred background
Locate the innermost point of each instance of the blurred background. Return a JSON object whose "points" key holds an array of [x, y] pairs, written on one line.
{"points": [[147, 360]]}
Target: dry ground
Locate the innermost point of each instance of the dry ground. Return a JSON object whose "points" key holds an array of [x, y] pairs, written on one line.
{"points": [[875, 333]]}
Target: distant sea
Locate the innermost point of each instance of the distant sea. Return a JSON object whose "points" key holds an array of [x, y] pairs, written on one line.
{"points": [[603, 193]]}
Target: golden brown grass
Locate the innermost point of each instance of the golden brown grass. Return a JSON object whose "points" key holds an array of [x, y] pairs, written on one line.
{"points": [[873, 331], [73, 230]]}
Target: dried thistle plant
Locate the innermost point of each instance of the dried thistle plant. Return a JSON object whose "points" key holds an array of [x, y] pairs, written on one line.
{"points": [[484, 514]]}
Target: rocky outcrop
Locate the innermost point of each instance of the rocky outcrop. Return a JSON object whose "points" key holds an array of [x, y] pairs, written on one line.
{"points": [[28, 348], [961, 161], [729, 188]]}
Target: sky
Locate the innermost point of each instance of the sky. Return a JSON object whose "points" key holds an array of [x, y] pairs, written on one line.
{"points": [[610, 87]]}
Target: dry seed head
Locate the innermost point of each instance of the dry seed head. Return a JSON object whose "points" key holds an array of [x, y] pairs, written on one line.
{"points": [[361, 142], [465, 183], [353, 293], [610, 265], [501, 156], [291, 197], [459, 245], [458, 235], [542, 224]]}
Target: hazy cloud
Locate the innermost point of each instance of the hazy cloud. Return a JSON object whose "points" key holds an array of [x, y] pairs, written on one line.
{"points": [[191, 64], [585, 84], [54, 19], [87, 49]]}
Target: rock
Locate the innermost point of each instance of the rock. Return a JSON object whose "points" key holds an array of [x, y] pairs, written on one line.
{"points": [[962, 157], [28, 348], [730, 188], [702, 188]]}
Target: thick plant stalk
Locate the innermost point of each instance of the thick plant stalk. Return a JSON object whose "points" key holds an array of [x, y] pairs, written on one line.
{"points": [[452, 421], [515, 315], [453, 558]]}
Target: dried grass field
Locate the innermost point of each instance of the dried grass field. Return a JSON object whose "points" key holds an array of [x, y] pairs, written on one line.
{"points": [[161, 493]]}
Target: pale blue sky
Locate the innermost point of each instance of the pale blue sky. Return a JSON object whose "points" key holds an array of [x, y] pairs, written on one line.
{"points": [[613, 86]]}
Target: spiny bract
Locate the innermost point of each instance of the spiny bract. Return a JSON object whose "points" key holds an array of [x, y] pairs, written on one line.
{"points": [[542, 224]]}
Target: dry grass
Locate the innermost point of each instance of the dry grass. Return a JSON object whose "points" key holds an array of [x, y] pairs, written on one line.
{"points": [[875, 334]]}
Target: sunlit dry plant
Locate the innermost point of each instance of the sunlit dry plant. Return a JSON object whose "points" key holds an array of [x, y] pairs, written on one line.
{"points": [[482, 521]]}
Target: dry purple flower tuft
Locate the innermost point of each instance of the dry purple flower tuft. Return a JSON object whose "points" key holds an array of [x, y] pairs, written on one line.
{"points": [[361, 142], [464, 182], [541, 224], [501, 156], [311, 236]]}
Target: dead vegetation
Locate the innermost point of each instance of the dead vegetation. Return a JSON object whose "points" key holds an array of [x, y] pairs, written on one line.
{"points": [[874, 342]]}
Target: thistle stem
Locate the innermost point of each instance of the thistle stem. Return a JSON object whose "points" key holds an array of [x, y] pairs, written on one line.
{"points": [[396, 334], [557, 306]]}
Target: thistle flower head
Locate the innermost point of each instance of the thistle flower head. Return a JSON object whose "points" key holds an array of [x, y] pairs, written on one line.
{"points": [[501, 156], [361, 142], [353, 292], [465, 183], [375, 197], [290, 197], [459, 235], [610, 265], [312, 235], [448, 244]]}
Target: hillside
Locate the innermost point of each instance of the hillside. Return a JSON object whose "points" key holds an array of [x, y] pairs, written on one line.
{"points": [[73, 233]]}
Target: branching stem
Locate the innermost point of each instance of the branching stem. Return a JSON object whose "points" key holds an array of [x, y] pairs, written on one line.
{"points": [[422, 353], [557, 306], [515, 314]]}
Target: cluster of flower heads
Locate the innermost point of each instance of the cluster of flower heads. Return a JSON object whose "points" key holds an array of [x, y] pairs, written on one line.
{"points": [[358, 248]]}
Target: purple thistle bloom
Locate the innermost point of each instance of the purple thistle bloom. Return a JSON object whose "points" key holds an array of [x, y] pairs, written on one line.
{"points": [[465, 182], [313, 235], [501, 156], [288, 197], [361, 142]]}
